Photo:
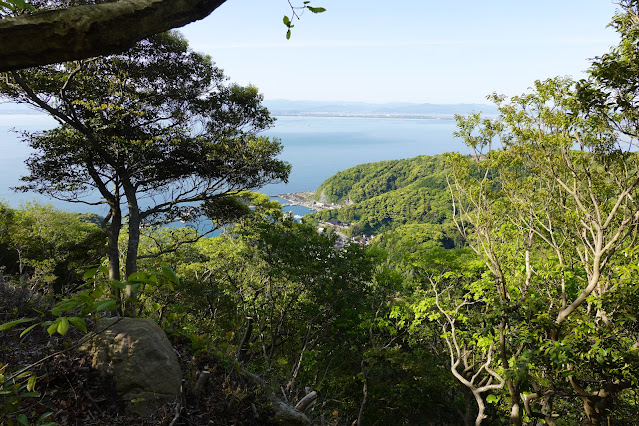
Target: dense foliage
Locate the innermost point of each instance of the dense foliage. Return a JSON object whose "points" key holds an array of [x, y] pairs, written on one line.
{"points": [[48, 249], [553, 214], [382, 196]]}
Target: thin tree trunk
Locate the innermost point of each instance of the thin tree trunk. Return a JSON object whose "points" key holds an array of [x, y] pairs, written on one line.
{"points": [[113, 252], [134, 229], [133, 243], [365, 396]]}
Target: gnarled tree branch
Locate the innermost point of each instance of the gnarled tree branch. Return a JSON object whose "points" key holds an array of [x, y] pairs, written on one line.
{"points": [[91, 30]]}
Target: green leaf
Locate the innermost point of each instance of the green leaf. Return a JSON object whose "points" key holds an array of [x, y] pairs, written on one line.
{"points": [[288, 35], [90, 274], [23, 4], [316, 9], [22, 419], [117, 284], [24, 374], [168, 272], [140, 277], [78, 323], [106, 305], [11, 324], [52, 328], [28, 329], [43, 417], [287, 21], [492, 399], [63, 326], [31, 383], [67, 305]]}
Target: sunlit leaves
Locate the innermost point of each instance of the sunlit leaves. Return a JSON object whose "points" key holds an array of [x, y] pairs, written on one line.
{"points": [[296, 12], [550, 211]]}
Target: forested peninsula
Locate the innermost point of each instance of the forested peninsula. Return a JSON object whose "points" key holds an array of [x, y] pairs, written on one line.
{"points": [[392, 195]]}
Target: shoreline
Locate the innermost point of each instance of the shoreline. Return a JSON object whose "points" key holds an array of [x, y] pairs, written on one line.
{"points": [[305, 199]]}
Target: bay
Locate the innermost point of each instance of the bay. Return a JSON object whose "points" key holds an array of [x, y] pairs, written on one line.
{"points": [[316, 147]]}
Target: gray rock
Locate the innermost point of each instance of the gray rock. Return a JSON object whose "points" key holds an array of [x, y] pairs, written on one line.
{"points": [[141, 360]]}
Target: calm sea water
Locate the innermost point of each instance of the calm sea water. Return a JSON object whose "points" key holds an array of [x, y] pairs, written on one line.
{"points": [[317, 147]]}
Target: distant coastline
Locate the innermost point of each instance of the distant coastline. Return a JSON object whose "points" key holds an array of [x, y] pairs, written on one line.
{"points": [[409, 111], [363, 115]]}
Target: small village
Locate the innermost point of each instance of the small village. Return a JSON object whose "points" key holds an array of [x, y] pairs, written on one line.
{"points": [[305, 199]]}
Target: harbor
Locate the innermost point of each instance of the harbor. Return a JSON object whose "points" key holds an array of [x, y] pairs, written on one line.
{"points": [[305, 199]]}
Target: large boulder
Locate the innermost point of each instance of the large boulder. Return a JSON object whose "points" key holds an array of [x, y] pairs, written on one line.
{"points": [[141, 360]]}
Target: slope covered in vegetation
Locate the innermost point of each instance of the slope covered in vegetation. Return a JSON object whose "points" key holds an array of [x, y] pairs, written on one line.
{"points": [[387, 195]]}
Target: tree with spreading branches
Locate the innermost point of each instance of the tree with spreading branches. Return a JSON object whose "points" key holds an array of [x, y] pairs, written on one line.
{"points": [[156, 133]]}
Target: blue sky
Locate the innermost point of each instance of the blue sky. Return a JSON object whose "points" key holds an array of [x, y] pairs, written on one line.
{"points": [[421, 51]]}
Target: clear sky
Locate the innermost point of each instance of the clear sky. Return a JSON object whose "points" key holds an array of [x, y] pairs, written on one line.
{"points": [[423, 51]]}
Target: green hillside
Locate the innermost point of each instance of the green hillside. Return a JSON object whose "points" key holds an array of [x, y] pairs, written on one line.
{"points": [[366, 181], [382, 196]]}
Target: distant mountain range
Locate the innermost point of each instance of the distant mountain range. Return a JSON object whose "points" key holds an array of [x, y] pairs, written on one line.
{"points": [[285, 107]]}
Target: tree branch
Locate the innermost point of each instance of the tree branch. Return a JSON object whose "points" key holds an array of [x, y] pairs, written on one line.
{"points": [[91, 30]]}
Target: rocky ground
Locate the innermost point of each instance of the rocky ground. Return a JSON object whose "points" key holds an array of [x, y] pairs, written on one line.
{"points": [[75, 394]]}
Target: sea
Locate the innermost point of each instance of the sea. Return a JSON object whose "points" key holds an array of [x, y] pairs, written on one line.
{"points": [[316, 147]]}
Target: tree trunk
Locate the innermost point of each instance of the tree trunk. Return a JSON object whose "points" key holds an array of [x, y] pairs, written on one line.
{"points": [[470, 407], [481, 409], [113, 234], [515, 404], [242, 350], [365, 395], [133, 243], [515, 411], [596, 404]]}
